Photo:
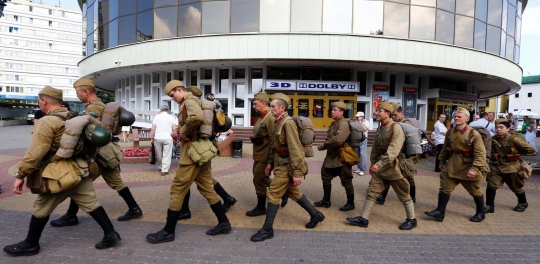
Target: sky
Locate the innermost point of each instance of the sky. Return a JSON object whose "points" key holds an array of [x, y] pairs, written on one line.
{"points": [[530, 34]]}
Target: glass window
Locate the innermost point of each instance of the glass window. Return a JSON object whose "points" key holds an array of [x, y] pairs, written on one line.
{"points": [[145, 25], [239, 90], [511, 26], [90, 21], [207, 74], [189, 19], [518, 31], [306, 15], [90, 45], [519, 8], [127, 7], [424, 2], [493, 42], [379, 76], [103, 12], [215, 18], [504, 15], [188, 1], [422, 23], [510, 48], [402, 1], [165, 2], [465, 7], [337, 16], [464, 31], [503, 44], [396, 20], [445, 27], [143, 5], [269, 9], [513, 2], [104, 37], [165, 22], [368, 17], [309, 73], [244, 16], [494, 12], [256, 84], [479, 35], [392, 92], [449, 5], [361, 77], [193, 79], [113, 9], [126, 29], [239, 73], [516, 55], [223, 81], [480, 10], [113, 33]]}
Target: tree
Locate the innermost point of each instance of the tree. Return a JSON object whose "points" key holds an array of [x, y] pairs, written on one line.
{"points": [[105, 96]]}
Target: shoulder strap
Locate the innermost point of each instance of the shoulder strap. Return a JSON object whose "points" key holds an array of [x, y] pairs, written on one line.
{"points": [[470, 136], [59, 116], [282, 131], [257, 128], [184, 114], [391, 132], [512, 142]]}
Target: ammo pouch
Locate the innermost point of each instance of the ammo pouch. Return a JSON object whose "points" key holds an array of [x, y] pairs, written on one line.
{"points": [[466, 152], [450, 151], [282, 152], [406, 166], [110, 155], [524, 170], [64, 174], [34, 180], [512, 157], [202, 151], [382, 150], [258, 140], [348, 156]]}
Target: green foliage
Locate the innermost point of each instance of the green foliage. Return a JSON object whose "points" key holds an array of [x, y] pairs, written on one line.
{"points": [[105, 96]]}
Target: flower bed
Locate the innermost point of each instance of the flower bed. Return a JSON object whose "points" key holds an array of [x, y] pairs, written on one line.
{"points": [[135, 155]]}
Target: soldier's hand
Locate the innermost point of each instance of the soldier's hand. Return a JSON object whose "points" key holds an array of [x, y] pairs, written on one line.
{"points": [[441, 167], [319, 147], [297, 181], [182, 136], [18, 186], [374, 169], [471, 174], [268, 170], [174, 134]]}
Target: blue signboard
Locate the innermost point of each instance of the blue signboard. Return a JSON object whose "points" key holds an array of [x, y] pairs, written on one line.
{"points": [[18, 97]]}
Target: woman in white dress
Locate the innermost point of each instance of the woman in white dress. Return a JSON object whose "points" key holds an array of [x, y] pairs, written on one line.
{"points": [[530, 136], [125, 132]]}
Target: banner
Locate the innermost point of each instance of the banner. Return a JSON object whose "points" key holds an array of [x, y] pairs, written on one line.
{"points": [[379, 96], [409, 105]]}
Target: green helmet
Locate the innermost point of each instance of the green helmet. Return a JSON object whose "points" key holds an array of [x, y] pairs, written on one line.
{"points": [[226, 127], [126, 118], [100, 136]]}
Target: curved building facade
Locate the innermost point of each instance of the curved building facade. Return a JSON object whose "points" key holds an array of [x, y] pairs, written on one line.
{"points": [[429, 55]]}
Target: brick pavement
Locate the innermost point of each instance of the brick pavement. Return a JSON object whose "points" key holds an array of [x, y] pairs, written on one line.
{"points": [[505, 236]]}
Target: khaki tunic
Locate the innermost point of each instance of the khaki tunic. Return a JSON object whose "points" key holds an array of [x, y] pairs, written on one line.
{"points": [[189, 172], [336, 138], [264, 127], [96, 106], [286, 167]]}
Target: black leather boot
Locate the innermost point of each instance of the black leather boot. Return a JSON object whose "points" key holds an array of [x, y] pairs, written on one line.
{"points": [[490, 200], [110, 237], [267, 231], [134, 211], [316, 216], [260, 209], [284, 200], [228, 201], [382, 197], [223, 227], [408, 224], [325, 202], [29, 246], [522, 203], [349, 205], [70, 218], [412, 192], [359, 221], [167, 233], [185, 213], [480, 215], [438, 214]]}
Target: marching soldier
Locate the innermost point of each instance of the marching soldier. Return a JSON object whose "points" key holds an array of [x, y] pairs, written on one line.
{"points": [[463, 161], [385, 171], [85, 89], [43, 147], [287, 160], [337, 136], [397, 116], [506, 165], [190, 119]]}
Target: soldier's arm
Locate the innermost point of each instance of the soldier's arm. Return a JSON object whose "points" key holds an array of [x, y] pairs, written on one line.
{"points": [[373, 155], [339, 139], [394, 148], [479, 162], [296, 150], [269, 122], [444, 155], [195, 116], [39, 146], [523, 147]]}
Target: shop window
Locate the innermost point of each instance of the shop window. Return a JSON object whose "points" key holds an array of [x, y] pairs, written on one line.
{"points": [[180, 76], [517, 95], [529, 95], [336, 75], [408, 79], [239, 73], [224, 105], [193, 79], [256, 80], [310, 74], [238, 92], [223, 80], [169, 76], [238, 120], [207, 74], [392, 92], [155, 77], [138, 79], [361, 77], [283, 73], [379, 76], [207, 88], [487, 103]]}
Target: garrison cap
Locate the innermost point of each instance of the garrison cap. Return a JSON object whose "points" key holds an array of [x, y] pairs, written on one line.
{"points": [[501, 120], [386, 106], [339, 104], [463, 111], [84, 82], [283, 97], [52, 92], [171, 85], [262, 97], [395, 105], [194, 90]]}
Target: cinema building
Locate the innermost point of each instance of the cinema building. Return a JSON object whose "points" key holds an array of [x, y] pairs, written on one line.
{"points": [[428, 55]]}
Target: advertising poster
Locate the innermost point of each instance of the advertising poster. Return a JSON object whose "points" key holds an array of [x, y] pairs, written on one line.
{"points": [[380, 93], [409, 105]]}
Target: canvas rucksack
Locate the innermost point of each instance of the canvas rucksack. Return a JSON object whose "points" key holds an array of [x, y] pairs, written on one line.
{"points": [[115, 116], [486, 137], [306, 133], [82, 135], [412, 140], [357, 136]]}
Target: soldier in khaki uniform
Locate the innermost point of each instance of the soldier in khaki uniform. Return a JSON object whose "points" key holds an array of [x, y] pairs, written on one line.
{"points": [[287, 160], [463, 164], [228, 200], [336, 138], [86, 92], [43, 147], [190, 118], [397, 116], [506, 165], [385, 171]]}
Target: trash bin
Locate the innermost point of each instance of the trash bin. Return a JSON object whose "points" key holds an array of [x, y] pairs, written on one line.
{"points": [[237, 148]]}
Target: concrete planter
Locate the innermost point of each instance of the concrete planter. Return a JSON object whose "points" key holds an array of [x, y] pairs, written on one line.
{"points": [[135, 160]]}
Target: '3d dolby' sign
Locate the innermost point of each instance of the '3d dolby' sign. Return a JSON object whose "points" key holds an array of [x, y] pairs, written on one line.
{"points": [[314, 86]]}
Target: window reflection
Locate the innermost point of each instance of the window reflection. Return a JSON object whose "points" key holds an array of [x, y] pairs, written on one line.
{"points": [[481, 10], [113, 33], [464, 31], [465, 7], [448, 5], [511, 26], [479, 35], [518, 31], [90, 45], [189, 19], [165, 22], [181, 2], [396, 20], [165, 2], [510, 48], [128, 7], [424, 2], [306, 19], [143, 5], [90, 20], [516, 57], [445, 27], [368, 17], [493, 39], [503, 44], [402, 1], [504, 14], [519, 9], [244, 15], [103, 14], [215, 18], [145, 25], [269, 9], [337, 16], [494, 12], [422, 22], [126, 29], [104, 37]]}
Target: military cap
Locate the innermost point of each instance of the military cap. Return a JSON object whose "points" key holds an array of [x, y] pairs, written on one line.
{"points": [[395, 105], [171, 85], [386, 106], [282, 96], [84, 82], [501, 120], [52, 92], [339, 104], [194, 90], [463, 111], [262, 97]]}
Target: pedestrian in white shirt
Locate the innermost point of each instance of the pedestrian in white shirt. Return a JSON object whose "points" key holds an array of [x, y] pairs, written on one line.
{"points": [[361, 151], [484, 122], [160, 135], [439, 132]]}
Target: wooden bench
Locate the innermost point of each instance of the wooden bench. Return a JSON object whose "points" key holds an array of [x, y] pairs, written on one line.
{"points": [[225, 146], [140, 135]]}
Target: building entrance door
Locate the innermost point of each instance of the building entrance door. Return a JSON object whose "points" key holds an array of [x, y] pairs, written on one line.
{"points": [[319, 107], [437, 106]]}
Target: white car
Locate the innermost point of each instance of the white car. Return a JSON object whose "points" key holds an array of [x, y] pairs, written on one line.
{"points": [[30, 116]]}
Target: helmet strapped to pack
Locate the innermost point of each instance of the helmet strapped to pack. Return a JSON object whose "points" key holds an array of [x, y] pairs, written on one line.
{"points": [[81, 134], [115, 116]]}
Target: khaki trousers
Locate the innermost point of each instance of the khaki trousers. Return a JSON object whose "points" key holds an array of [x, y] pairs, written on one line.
{"points": [[514, 182], [112, 177], [283, 184], [83, 194], [185, 176], [163, 153], [449, 184], [344, 173], [378, 184], [260, 180]]}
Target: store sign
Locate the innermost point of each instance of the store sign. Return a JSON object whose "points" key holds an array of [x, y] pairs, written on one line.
{"points": [[18, 97], [410, 90], [317, 86], [381, 87], [280, 85], [458, 95]]}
